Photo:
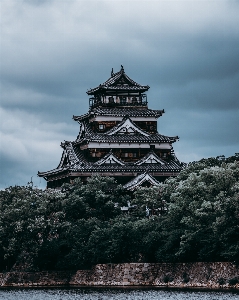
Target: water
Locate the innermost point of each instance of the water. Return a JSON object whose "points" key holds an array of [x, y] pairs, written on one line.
{"points": [[116, 294]]}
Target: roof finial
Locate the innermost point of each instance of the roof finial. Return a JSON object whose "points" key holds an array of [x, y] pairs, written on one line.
{"points": [[112, 72], [122, 68]]}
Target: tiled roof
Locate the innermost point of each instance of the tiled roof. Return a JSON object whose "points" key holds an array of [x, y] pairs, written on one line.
{"points": [[80, 164], [131, 112], [119, 81], [73, 159], [52, 172], [110, 159], [91, 136], [150, 158], [120, 112], [126, 125], [69, 156], [139, 180]]}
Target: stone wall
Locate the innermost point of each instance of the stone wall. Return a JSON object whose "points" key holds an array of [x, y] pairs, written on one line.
{"points": [[162, 274], [34, 279], [197, 275]]}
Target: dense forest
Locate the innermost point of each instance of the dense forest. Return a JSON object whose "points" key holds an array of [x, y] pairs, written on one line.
{"points": [[193, 217]]}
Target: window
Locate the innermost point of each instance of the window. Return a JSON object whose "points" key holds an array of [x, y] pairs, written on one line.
{"points": [[111, 100], [101, 126], [152, 128], [122, 100]]}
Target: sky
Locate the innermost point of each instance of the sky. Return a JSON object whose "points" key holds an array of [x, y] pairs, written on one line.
{"points": [[53, 51]]}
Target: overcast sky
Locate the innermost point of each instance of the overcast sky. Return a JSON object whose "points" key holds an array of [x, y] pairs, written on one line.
{"points": [[51, 52]]}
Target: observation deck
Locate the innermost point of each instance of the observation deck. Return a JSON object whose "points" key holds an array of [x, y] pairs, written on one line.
{"points": [[121, 101]]}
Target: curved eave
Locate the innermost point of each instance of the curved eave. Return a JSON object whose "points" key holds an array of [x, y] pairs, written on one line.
{"points": [[174, 139], [170, 169], [82, 117], [172, 166], [103, 89], [120, 112], [123, 170], [126, 139], [51, 172]]}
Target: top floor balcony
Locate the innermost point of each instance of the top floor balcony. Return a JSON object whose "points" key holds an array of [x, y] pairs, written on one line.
{"points": [[116, 101]]}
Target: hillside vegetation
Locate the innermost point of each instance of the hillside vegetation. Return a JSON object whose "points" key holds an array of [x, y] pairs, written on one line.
{"points": [[193, 217]]}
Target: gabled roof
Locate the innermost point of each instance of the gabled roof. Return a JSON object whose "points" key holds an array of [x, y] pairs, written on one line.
{"points": [[142, 136], [64, 162], [120, 112], [110, 159], [119, 81], [69, 159], [139, 180], [73, 160], [150, 158], [126, 127]]}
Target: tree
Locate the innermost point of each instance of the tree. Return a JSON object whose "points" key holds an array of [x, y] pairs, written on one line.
{"points": [[197, 226], [29, 217], [101, 198]]}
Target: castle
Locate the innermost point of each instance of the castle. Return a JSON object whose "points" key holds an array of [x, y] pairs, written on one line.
{"points": [[118, 137]]}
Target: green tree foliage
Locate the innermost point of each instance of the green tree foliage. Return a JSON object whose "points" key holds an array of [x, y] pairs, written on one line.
{"points": [[29, 217], [48, 229], [194, 217], [100, 198], [203, 221], [146, 197]]}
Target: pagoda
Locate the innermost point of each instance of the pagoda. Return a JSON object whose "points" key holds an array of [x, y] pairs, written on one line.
{"points": [[118, 137]]}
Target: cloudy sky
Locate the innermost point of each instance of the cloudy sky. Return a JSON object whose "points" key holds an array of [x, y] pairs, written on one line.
{"points": [[52, 51]]}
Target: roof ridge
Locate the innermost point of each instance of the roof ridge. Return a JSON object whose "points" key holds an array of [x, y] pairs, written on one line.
{"points": [[113, 80]]}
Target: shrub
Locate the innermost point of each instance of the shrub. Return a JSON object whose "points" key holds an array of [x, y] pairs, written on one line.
{"points": [[167, 278], [233, 281], [186, 277], [221, 281]]}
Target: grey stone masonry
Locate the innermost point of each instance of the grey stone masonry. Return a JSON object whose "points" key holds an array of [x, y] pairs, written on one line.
{"points": [[206, 275], [182, 275]]}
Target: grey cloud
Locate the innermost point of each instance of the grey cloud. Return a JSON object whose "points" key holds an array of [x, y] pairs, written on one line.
{"points": [[211, 95], [53, 51], [37, 2], [214, 133], [29, 144]]}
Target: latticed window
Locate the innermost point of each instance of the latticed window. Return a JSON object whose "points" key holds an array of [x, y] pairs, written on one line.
{"points": [[101, 126], [122, 100], [111, 99]]}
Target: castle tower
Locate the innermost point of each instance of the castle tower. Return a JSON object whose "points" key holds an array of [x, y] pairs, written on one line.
{"points": [[118, 137]]}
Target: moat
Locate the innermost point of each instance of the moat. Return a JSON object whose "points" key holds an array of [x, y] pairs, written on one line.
{"points": [[116, 294]]}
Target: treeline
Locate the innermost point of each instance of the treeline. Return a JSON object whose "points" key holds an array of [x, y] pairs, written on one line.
{"points": [[193, 217]]}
